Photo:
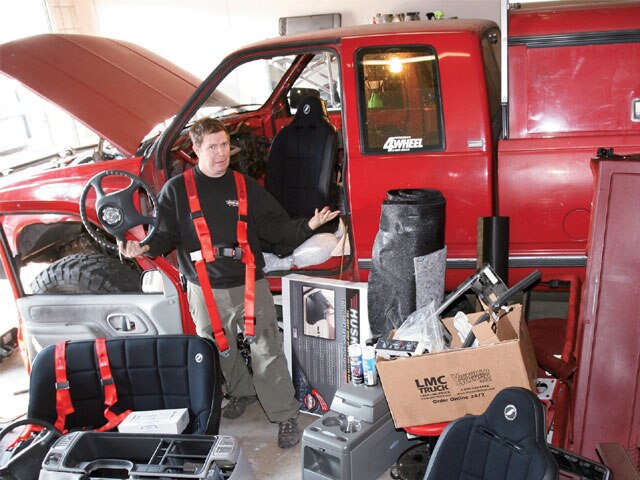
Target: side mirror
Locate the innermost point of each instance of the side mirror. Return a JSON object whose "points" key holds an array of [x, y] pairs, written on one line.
{"points": [[297, 94]]}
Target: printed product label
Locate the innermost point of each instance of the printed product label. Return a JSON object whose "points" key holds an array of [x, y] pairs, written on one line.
{"points": [[464, 386]]}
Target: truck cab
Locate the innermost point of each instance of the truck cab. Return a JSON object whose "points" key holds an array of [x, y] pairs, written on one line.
{"points": [[570, 87]]}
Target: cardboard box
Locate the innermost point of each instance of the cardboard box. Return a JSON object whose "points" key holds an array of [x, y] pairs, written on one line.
{"points": [[443, 386], [155, 421], [321, 318]]}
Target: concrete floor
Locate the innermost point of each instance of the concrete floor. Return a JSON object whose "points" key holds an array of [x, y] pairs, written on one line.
{"points": [[257, 436], [14, 386]]}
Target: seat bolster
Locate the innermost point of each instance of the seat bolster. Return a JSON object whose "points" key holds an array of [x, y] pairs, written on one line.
{"points": [[450, 450]]}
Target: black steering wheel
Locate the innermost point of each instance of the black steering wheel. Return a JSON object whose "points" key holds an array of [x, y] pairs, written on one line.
{"points": [[117, 211], [25, 458]]}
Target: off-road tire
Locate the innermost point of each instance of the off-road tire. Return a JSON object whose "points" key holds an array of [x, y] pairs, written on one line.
{"points": [[87, 273]]}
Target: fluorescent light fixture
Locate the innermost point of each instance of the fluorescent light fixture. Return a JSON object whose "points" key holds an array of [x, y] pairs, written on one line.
{"points": [[401, 61]]}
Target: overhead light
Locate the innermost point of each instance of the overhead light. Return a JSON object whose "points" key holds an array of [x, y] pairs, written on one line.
{"points": [[395, 66]]}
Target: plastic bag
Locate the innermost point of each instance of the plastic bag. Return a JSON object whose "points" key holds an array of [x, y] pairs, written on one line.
{"points": [[315, 250], [273, 262], [424, 326], [463, 327]]}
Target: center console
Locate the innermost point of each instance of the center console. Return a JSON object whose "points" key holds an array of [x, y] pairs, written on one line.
{"points": [[109, 455]]}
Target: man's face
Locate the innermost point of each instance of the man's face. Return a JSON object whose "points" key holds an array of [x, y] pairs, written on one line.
{"points": [[213, 154]]}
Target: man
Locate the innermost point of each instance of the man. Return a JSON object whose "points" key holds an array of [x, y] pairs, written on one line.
{"points": [[217, 191]]}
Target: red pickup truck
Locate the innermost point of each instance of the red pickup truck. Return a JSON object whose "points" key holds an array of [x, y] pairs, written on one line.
{"points": [[415, 105]]}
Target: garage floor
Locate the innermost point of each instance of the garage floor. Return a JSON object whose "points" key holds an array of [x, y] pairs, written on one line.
{"points": [[256, 434]]}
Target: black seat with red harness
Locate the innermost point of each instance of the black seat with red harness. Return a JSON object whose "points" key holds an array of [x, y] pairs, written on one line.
{"points": [[71, 383]]}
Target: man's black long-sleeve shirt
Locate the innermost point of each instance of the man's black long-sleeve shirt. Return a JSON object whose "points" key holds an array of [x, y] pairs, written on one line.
{"points": [[267, 220]]}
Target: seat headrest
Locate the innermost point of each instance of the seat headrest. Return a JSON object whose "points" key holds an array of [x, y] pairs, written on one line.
{"points": [[311, 111], [515, 411]]}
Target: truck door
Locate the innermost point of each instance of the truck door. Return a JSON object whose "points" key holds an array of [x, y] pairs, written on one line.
{"points": [[46, 319], [417, 116]]}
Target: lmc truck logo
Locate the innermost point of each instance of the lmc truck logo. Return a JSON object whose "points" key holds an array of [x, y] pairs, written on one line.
{"points": [[432, 384]]}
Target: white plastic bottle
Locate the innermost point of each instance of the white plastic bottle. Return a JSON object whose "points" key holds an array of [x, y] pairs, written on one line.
{"points": [[355, 361], [369, 366]]}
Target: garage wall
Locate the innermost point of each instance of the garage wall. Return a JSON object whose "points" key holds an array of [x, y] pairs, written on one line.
{"points": [[197, 34]]}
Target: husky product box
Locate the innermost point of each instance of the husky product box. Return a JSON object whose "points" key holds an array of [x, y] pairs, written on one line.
{"points": [[155, 421], [321, 318], [443, 386]]}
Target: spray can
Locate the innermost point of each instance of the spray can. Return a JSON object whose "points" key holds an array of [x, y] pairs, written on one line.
{"points": [[369, 366], [355, 361]]}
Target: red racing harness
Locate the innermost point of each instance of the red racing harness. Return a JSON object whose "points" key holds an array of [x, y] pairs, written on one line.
{"points": [[64, 406], [208, 253]]}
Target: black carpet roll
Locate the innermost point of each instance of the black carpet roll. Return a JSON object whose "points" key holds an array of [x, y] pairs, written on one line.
{"points": [[411, 225]]}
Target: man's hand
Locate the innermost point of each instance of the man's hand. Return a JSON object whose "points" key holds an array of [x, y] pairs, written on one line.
{"points": [[321, 217], [132, 249]]}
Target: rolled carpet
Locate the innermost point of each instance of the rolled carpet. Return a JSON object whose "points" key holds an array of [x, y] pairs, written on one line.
{"points": [[411, 225]]}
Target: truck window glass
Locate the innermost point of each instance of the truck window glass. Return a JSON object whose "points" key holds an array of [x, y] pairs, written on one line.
{"points": [[566, 93], [246, 88], [399, 100]]}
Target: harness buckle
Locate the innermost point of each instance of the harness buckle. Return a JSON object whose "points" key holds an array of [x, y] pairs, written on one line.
{"points": [[107, 381], [196, 255], [62, 385], [229, 252]]}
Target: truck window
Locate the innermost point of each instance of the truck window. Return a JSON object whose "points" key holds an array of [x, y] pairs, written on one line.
{"points": [[247, 87], [573, 88], [399, 100], [251, 84], [257, 98]]}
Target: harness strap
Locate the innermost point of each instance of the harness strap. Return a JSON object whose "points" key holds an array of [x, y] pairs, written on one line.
{"points": [[210, 301], [207, 255], [200, 224], [109, 387], [64, 406], [247, 258]]}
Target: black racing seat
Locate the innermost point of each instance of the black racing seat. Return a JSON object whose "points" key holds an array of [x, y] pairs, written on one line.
{"points": [[301, 170], [150, 373], [507, 442]]}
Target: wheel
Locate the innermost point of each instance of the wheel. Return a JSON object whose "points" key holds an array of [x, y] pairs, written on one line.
{"points": [[87, 273], [23, 460], [117, 211]]}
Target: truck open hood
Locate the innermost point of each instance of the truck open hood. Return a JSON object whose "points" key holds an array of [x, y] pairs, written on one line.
{"points": [[117, 89]]}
